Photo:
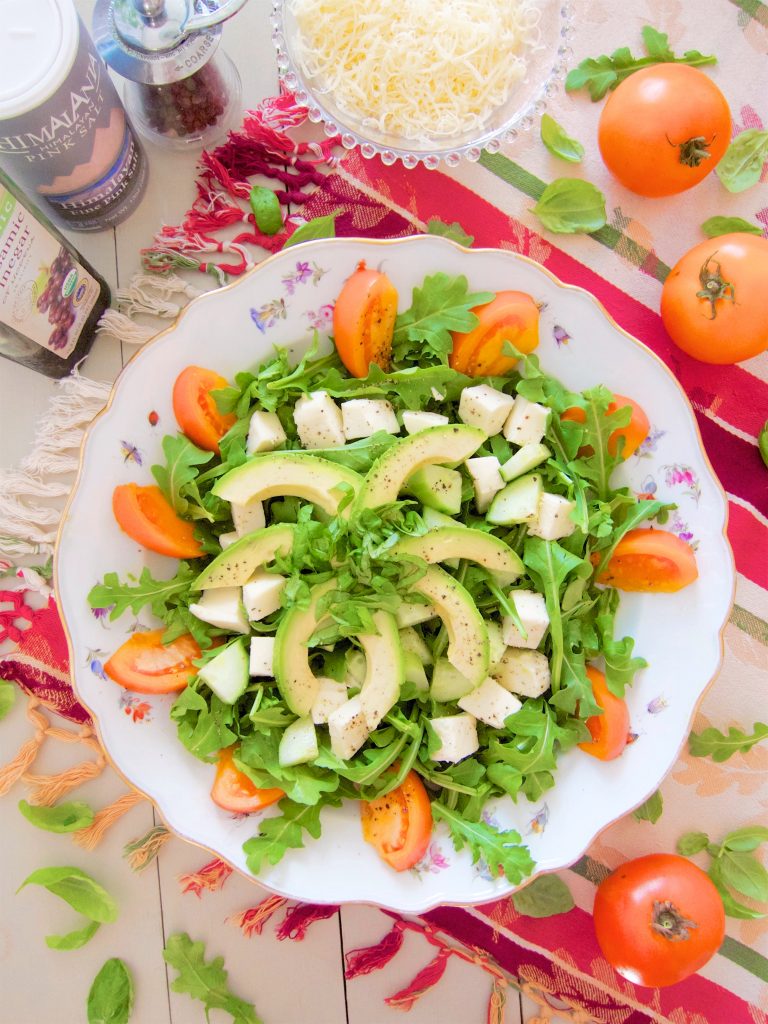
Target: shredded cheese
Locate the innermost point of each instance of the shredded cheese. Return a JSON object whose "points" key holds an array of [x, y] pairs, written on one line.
{"points": [[416, 68]]}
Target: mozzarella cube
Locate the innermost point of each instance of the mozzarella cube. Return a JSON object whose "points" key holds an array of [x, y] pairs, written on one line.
{"points": [[496, 645], [527, 422], [416, 421], [261, 594], [348, 728], [413, 614], [262, 656], [223, 608], [486, 479], [225, 539], [330, 696], [532, 610], [553, 519], [525, 673], [318, 421], [490, 703], [265, 433], [248, 517], [457, 735], [362, 417], [485, 407]]}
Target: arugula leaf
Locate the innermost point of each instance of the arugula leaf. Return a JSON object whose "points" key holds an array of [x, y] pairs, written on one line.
{"points": [[302, 783], [715, 226], [549, 565], [110, 999], [558, 142], [286, 832], [318, 227], [177, 479], [601, 74], [620, 666], [545, 896], [67, 817], [359, 455], [571, 205], [719, 746], [500, 849], [651, 810], [742, 165], [409, 388], [204, 726], [454, 231], [158, 594], [205, 981], [7, 697], [442, 304], [75, 939]]}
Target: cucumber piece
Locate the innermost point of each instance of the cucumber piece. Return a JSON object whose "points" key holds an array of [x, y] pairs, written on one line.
{"points": [[448, 683], [529, 457], [412, 641], [414, 671], [517, 503], [227, 674], [436, 487], [298, 744], [433, 519], [496, 642], [355, 667]]}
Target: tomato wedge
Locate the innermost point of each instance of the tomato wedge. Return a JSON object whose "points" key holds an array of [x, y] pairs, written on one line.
{"points": [[145, 664], [233, 790], [399, 825], [364, 320], [195, 409], [609, 730], [510, 316], [147, 517], [649, 560], [634, 433]]}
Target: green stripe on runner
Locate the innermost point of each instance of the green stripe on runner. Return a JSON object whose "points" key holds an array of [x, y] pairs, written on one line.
{"points": [[755, 10], [750, 624], [608, 236], [733, 950]]}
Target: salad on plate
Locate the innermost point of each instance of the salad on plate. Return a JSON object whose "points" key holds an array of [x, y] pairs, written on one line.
{"points": [[400, 566]]}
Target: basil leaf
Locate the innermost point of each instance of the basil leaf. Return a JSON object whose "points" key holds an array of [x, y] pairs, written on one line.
{"points": [[73, 940], [651, 810], [110, 999], [558, 142], [742, 165], [77, 889], [545, 896], [454, 231], [762, 442], [68, 817], [745, 874], [691, 843], [716, 226], [747, 838], [266, 210], [7, 697], [571, 205], [731, 906], [318, 227]]}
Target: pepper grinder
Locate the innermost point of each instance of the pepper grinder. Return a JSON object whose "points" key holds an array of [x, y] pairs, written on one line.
{"points": [[181, 90]]}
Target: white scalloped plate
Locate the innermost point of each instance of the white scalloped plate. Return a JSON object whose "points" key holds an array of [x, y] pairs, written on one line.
{"points": [[280, 303]]}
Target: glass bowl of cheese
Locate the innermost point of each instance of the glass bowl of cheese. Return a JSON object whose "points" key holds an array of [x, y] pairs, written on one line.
{"points": [[423, 80]]}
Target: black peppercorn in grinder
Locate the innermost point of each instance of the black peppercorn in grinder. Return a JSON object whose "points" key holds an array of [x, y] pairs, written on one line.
{"points": [[181, 91]]}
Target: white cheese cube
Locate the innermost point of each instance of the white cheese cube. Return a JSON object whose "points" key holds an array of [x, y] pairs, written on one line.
{"points": [[486, 478], [527, 422], [222, 608], [265, 433], [416, 421], [331, 695], [362, 417], [248, 517], [318, 421], [348, 728], [485, 407], [490, 703], [262, 656], [525, 673], [532, 609], [496, 643], [458, 737], [261, 594], [413, 614], [225, 539], [553, 519]]}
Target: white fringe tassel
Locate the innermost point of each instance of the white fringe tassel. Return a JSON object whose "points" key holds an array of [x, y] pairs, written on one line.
{"points": [[118, 325], [27, 527]]}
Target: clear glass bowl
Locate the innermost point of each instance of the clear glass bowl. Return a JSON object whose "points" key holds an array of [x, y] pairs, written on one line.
{"points": [[547, 65]]}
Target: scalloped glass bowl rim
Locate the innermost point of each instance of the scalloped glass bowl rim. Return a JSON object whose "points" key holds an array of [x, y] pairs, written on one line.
{"points": [[410, 153]]}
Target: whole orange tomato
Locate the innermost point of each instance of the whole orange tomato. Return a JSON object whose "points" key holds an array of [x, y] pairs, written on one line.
{"points": [[664, 129], [658, 919], [715, 301]]}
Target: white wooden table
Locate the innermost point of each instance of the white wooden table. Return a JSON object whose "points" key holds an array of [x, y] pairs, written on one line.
{"points": [[289, 982]]}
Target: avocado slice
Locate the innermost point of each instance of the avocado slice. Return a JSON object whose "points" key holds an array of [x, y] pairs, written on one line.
{"points": [[300, 474], [467, 635], [448, 445], [236, 565], [384, 668], [447, 542]]}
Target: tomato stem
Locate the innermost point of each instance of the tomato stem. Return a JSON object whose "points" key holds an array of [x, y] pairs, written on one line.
{"points": [[693, 150], [713, 287], [668, 921]]}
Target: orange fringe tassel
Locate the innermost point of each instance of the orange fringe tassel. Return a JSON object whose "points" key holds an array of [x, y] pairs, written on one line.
{"points": [[497, 1002], [13, 771], [47, 789], [252, 921], [142, 851], [211, 877], [91, 836]]}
